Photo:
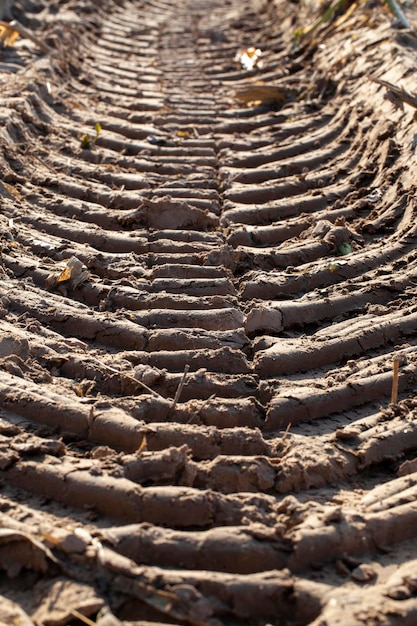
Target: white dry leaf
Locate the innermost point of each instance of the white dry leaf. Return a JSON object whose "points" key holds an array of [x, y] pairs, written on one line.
{"points": [[73, 274], [375, 195], [249, 58]]}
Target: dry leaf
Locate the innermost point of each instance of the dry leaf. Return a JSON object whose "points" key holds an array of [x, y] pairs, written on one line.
{"points": [[143, 445], [263, 94], [74, 273], [12, 190], [8, 34], [186, 134], [64, 275]]}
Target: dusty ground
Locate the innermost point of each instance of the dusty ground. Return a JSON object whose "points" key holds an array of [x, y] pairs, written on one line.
{"points": [[201, 301]]}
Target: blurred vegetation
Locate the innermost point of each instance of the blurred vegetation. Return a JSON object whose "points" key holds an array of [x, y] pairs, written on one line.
{"points": [[336, 12]]}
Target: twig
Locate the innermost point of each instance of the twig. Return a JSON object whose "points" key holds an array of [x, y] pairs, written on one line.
{"points": [[131, 378], [82, 617], [206, 401], [394, 392], [286, 431], [179, 388], [401, 95], [24, 32]]}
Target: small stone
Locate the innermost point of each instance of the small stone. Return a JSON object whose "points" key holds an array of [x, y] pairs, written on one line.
{"points": [[363, 573], [400, 592], [101, 452]]}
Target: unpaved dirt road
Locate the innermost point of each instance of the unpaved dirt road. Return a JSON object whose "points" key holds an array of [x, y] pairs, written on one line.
{"points": [[203, 294]]}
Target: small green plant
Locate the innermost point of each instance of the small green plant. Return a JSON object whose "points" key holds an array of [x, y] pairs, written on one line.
{"points": [[87, 143], [326, 16]]}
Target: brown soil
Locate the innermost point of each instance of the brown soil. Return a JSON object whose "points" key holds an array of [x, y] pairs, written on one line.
{"points": [[201, 302]]}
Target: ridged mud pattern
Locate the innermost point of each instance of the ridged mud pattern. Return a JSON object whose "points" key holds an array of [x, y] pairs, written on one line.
{"points": [[200, 431]]}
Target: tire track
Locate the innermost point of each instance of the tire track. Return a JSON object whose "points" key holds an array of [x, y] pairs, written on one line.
{"points": [[202, 425]]}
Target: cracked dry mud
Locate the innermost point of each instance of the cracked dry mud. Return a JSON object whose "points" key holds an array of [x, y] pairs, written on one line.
{"points": [[196, 423]]}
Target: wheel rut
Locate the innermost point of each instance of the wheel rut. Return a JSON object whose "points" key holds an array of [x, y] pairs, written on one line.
{"points": [[208, 289]]}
